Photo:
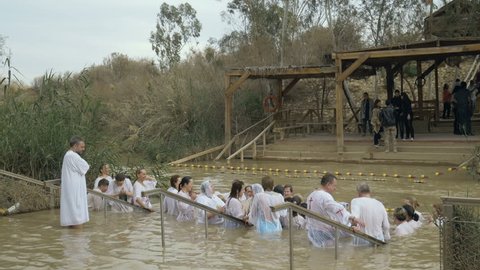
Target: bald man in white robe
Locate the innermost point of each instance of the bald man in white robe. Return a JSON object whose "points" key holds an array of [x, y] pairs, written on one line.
{"points": [[73, 196]]}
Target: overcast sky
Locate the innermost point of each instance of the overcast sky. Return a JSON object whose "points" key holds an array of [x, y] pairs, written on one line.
{"points": [[69, 35]]}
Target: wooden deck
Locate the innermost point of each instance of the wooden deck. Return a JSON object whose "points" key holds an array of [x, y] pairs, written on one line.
{"points": [[425, 149]]}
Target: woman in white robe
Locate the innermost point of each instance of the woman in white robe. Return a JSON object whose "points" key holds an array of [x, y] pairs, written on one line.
{"points": [[208, 198], [143, 183], [73, 196], [261, 216], [186, 212], [400, 218], [170, 204], [103, 173], [233, 206]]}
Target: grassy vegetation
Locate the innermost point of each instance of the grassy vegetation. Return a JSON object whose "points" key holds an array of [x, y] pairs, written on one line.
{"points": [[35, 133]]}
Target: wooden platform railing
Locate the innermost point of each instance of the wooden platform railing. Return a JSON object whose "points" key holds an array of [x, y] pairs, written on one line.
{"points": [[253, 144], [198, 155], [228, 146]]}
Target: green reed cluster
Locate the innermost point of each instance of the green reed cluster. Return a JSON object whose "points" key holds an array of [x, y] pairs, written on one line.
{"points": [[35, 126]]}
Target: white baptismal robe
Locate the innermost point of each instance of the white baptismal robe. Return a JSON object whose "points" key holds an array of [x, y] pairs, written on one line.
{"points": [[114, 189], [186, 212], [404, 229], [373, 214], [233, 208], [212, 202], [73, 197], [95, 202], [323, 203], [139, 188], [170, 204]]}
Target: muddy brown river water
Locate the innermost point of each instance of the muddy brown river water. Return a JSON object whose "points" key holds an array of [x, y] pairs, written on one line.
{"points": [[133, 241]]}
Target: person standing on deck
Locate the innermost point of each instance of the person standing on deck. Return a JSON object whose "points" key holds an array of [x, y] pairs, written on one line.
{"points": [[376, 124], [366, 108], [407, 117], [73, 195], [447, 99], [397, 104], [463, 112], [387, 117]]}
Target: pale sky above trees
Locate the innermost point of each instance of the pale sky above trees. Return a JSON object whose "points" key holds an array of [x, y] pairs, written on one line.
{"points": [[61, 36]]}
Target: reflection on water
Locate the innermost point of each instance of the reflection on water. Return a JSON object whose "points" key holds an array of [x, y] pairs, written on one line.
{"points": [[36, 241]]}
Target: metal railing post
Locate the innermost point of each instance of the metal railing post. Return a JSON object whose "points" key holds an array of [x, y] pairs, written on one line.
{"points": [[104, 207], [206, 224], [52, 196], [290, 238], [264, 143], [162, 230], [336, 243]]}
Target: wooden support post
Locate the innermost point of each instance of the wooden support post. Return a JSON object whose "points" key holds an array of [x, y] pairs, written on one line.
{"points": [[228, 111], [437, 102], [339, 105], [254, 154], [401, 79], [420, 87], [278, 93], [390, 81]]}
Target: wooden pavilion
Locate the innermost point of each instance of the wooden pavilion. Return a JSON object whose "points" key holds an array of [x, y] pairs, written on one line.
{"points": [[391, 58]]}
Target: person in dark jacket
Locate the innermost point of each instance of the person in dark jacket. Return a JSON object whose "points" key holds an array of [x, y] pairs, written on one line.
{"points": [[366, 108], [407, 116], [397, 105], [387, 117], [463, 111]]}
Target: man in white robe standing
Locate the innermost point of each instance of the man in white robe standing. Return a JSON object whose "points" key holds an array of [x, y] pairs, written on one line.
{"points": [[73, 195], [372, 213], [321, 201]]}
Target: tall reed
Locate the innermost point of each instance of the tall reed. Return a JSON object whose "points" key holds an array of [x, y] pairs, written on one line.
{"points": [[34, 135]]}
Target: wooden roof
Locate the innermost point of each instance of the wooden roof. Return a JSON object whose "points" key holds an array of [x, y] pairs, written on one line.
{"points": [[439, 49], [289, 72]]}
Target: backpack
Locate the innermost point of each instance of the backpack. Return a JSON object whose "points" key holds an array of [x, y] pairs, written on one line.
{"points": [[387, 117]]}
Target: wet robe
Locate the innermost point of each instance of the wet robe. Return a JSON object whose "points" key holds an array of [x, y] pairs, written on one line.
{"points": [[73, 196], [322, 203]]}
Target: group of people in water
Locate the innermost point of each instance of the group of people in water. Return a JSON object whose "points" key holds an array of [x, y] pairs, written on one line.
{"points": [[252, 205]]}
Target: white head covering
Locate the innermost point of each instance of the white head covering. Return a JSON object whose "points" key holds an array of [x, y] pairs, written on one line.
{"points": [[257, 188], [206, 188]]}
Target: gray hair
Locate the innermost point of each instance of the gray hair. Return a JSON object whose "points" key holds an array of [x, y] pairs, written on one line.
{"points": [[75, 140], [363, 188]]}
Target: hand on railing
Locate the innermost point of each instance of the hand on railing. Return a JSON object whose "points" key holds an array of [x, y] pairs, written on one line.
{"points": [[221, 209]]}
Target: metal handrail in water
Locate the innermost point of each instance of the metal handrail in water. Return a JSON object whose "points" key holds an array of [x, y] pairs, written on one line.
{"points": [[338, 226], [177, 197]]}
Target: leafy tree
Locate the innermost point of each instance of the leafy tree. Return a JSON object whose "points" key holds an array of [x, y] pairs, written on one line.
{"points": [[384, 20], [175, 27]]}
